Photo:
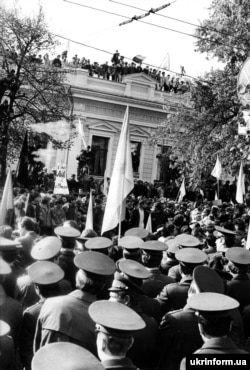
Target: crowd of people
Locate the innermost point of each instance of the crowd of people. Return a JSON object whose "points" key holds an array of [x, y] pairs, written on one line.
{"points": [[118, 68], [127, 298]]}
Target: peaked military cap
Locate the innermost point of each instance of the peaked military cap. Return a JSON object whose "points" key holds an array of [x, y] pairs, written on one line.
{"points": [[238, 255], [173, 247], [67, 232], [154, 245], [207, 280], [65, 356], [98, 242], [9, 245], [212, 304], [45, 273], [134, 269], [4, 267], [118, 286], [95, 262], [222, 230], [186, 240], [46, 248], [137, 231], [131, 242], [87, 234], [115, 316], [191, 255], [4, 328]]}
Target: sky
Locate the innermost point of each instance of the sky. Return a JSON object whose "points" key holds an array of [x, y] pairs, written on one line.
{"points": [[101, 30]]}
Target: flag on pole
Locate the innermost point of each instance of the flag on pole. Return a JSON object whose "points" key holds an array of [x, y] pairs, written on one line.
{"points": [[182, 191], [105, 184], [149, 224], [7, 204], [217, 171], [22, 173], [89, 219], [121, 182], [240, 192], [166, 62], [248, 238], [82, 134], [139, 58]]}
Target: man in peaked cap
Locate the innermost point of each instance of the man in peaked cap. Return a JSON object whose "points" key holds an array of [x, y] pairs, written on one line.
{"points": [[151, 259], [46, 249], [214, 323], [45, 275], [168, 256], [173, 296], [143, 351], [131, 247], [65, 356], [60, 316], [7, 353], [238, 265], [99, 244], [224, 239], [183, 241], [115, 325], [10, 251], [133, 273], [10, 309], [68, 236], [137, 231], [179, 329]]}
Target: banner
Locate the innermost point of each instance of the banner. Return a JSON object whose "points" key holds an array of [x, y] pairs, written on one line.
{"points": [[61, 185]]}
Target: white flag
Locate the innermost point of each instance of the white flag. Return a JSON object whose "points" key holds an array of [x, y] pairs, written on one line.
{"points": [[248, 238], [82, 134], [7, 205], [89, 218], [240, 192], [149, 224], [121, 182], [105, 184], [216, 196], [182, 191], [217, 169]]}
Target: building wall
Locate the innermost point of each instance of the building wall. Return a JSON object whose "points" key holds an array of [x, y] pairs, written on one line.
{"points": [[101, 104]]}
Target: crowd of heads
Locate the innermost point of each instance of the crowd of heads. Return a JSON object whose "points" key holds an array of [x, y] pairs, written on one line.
{"points": [[118, 68]]}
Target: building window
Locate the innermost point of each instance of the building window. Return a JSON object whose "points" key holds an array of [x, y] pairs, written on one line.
{"points": [[99, 149], [136, 154]]}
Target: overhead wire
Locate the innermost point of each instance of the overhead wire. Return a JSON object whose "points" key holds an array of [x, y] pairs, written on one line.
{"points": [[123, 16], [176, 19], [152, 24], [110, 53]]}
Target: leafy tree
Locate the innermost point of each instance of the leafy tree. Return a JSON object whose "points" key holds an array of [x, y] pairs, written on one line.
{"points": [[211, 127], [30, 90]]}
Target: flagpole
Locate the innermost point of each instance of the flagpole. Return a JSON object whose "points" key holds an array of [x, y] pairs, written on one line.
{"points": [[218, 188], [120, 216]]}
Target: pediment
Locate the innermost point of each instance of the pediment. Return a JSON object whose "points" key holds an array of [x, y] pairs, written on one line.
{"points": [[102, 126], [137, 131], [139, 78]]}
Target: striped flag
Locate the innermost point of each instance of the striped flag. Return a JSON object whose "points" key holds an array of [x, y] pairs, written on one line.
{"points": [[82, 134], [240, 191], [122, 181]]}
